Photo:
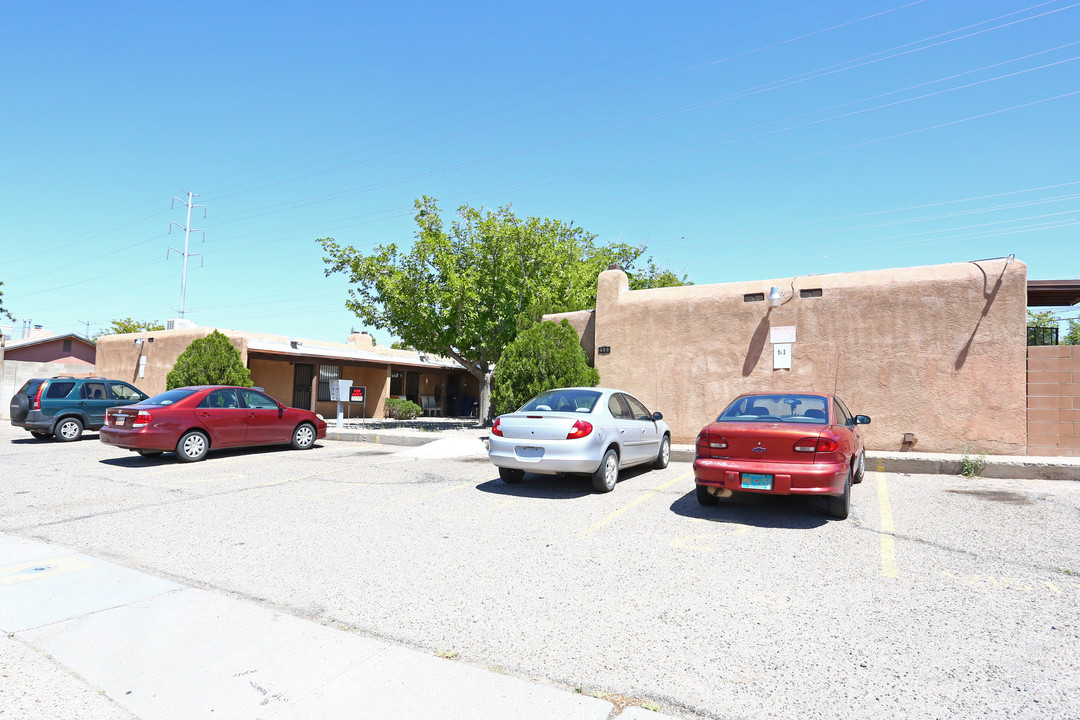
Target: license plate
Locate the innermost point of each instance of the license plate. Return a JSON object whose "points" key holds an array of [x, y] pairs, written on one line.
{"points": [[757, 482], [530, 453]]}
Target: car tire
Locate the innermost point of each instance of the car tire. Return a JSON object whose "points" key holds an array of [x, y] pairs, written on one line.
{"points": [[510, 476], [40, 435], [840, 505], [69, 429], [664, 456], [303, 437], [860, 468], [605, 476], [192, 446], [704, 497], [150, 453]]}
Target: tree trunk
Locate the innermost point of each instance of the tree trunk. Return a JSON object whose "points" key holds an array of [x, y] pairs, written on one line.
{"points": [[485, 398]]}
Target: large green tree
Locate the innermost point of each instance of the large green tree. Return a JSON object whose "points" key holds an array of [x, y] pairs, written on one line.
{"points": [[130, 325], [462, 289], [1072, 337], [3, 310], [211, 360]]}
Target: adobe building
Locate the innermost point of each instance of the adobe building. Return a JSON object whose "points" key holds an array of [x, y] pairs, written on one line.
{"points": [[298, 371], [936, 355], [40, 354]]}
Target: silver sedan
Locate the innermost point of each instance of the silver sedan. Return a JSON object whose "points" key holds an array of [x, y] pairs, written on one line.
{"points": [[590, 431]]}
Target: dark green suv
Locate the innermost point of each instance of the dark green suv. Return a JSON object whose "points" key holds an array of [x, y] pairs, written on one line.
{"points": [[64, 406]]}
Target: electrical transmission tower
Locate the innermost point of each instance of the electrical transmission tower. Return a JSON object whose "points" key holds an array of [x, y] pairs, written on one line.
{"points": [[186, 227]]}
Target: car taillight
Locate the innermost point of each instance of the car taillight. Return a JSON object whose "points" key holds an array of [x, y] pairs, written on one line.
{"points": [[37, 397], [496, 429], [580, 430], [142, 419], [809, 445], [706, 443]]}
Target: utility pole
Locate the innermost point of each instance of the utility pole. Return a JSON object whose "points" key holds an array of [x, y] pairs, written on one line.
{"points": [[186, 227], [87, 324]]}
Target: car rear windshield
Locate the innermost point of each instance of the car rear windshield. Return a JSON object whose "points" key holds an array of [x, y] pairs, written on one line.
{"points": [[805, 409], [581, 401], [30, 388], [169, 397]]}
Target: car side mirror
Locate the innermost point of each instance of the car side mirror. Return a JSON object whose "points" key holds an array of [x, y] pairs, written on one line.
{"points": [[862, 419], [657, 416]]}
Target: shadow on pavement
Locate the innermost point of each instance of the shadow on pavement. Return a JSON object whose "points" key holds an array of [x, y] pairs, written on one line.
{"points": [[134, 460], [554, 487], [790, 512]]}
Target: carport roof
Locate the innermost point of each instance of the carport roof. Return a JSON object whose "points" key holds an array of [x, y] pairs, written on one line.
{"points": [[1053, 293]]}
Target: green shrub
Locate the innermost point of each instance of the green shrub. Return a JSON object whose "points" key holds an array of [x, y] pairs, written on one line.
{"points": [[211, 360], [399, 409], [542, 357]]}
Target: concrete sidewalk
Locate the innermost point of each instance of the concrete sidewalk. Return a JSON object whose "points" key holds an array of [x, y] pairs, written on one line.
{"points": [[89, 639], [463, 437]]}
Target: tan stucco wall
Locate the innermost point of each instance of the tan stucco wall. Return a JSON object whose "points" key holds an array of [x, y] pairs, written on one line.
{"points": [[118, 355], [937, 351]]}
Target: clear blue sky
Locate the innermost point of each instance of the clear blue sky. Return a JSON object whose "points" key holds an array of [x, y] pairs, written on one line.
{"points": [[737, 141]]}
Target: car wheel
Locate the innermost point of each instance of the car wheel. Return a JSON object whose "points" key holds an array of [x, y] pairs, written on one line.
{"points": [[605, 476], [664, 455], [69, 429], [40, 435], [840, 505], [20, 407], [193, 445], [150, 453], [510, 476], [303, 437], [704, 497], [860, 468]]}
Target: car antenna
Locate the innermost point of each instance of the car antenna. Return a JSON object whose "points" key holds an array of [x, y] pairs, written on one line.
{"points": [[836, 377]]}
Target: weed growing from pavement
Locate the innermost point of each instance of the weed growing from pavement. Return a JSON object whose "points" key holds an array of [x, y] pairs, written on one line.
{"points": [[971, 465], [447, 654]]}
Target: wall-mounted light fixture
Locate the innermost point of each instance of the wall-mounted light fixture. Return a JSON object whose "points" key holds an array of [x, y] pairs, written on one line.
{"points": [[138, 341], [775, 298]]}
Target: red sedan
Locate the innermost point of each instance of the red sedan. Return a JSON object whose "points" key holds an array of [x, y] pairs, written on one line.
{"points": [[783, 444], [191, 421]]}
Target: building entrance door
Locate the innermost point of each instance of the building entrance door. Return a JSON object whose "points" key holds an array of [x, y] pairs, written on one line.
{"points": [[301, 393]]}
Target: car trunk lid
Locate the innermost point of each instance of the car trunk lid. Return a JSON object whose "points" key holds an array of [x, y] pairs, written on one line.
{"points": [[759, 442], [543, 425]]}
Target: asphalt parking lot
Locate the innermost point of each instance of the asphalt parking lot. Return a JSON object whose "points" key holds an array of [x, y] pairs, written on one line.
{"points": [[939, 597]]}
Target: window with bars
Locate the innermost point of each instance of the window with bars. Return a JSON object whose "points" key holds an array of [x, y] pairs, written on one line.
{"points": [[327, 374]]}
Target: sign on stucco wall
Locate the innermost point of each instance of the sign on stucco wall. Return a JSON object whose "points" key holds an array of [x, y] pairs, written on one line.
{"points": [[781, 356]]}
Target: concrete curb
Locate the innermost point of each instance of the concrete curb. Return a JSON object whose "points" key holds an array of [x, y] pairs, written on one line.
{"points": [[1008, 467]]}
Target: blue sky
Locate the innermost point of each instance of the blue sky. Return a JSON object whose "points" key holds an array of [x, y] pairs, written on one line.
{"points": [[737, 141]]}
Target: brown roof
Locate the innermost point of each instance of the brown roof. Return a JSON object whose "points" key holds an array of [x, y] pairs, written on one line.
{"points": [[1053, 293]]}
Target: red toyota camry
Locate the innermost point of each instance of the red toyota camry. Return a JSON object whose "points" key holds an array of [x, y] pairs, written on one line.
{"points": [[783, 444], [191, 421]]}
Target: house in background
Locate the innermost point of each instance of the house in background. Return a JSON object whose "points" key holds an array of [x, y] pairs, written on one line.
{"points": [[41, 354], [299, 371]]}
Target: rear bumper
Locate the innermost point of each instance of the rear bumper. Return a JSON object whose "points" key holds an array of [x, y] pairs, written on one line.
{"points": [[142, 439], [788, 478], [36, 422], [567, 456]]}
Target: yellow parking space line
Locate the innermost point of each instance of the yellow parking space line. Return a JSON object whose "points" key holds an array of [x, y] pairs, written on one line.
{"points": [[888, 545], [23, 572], [633, 503], [433, 494], [1053, 588]]}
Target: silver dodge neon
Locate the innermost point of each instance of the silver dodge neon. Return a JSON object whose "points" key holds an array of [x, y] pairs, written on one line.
{"points": [[589, 431]]}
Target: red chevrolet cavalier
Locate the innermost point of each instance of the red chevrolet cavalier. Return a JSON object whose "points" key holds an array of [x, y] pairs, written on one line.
{"points": [[783, 444], [191, 421]]}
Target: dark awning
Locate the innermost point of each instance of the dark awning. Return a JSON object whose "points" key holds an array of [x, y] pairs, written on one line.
{"points": [[1053, 293]]}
